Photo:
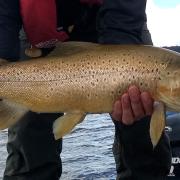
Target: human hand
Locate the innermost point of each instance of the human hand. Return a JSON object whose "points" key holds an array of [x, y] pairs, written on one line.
{"points": [[132, 106]]}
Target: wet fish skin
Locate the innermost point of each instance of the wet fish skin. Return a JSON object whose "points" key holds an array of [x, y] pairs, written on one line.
{"points": [[79, 78]]}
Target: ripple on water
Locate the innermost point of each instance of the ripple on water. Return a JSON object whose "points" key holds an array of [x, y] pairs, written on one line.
{"points": [[86, 151]]}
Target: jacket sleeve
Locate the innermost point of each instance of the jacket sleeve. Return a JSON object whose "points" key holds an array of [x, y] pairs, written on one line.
{"points": [[122, 21], [40, 23], [135, 156], [10, 25]]}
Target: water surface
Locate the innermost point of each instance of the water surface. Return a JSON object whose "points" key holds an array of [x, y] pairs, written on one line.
{"points": [[87, 151]]}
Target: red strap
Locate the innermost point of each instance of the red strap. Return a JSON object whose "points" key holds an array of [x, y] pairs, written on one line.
{"points": [[40, 22]]}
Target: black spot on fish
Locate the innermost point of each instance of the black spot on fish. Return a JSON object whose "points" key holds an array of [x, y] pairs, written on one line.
{"points": [[112, 92], [93, 84]]}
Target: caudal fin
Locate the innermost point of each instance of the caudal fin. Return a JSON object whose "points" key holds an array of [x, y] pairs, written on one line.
{"points": [[10, 113]]}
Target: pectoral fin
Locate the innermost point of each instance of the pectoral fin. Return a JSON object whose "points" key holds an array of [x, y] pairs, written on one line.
{"points": [[157, 123], [10, 113], [66, 123]]}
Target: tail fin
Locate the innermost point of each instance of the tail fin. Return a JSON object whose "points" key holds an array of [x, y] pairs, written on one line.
{"points": [[10, 113]]}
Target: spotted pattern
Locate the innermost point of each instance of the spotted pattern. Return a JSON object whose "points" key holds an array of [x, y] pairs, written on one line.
{"points": [[86, 76]]}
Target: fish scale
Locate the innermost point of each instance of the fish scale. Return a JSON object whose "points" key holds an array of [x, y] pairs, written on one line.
{"points": [[79, 78]]}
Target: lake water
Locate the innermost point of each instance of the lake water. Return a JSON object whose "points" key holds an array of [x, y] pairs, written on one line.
{"points": [[87, 151]]}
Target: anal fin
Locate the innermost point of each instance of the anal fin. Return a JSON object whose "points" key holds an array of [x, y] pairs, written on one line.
{"points": [[63, 125], [10, 113], [157, 123]]}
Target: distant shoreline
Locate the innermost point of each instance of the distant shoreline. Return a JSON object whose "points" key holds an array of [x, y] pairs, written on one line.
{"points": [[174, 48]]}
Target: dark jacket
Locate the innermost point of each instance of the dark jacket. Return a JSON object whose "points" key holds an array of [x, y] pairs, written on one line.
{"points": [[125, 26], [134, 155], [122, 20]]}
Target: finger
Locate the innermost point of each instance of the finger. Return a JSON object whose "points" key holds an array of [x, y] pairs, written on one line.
{"points": [[137, 106], [147, 102], [127, 114], [117, 111]]}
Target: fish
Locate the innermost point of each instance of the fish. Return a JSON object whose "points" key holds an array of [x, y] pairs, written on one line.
{"points": [[78, 78]]}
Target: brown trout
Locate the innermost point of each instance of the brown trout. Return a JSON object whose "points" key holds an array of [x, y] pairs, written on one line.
{"points": [[79, 78]]}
